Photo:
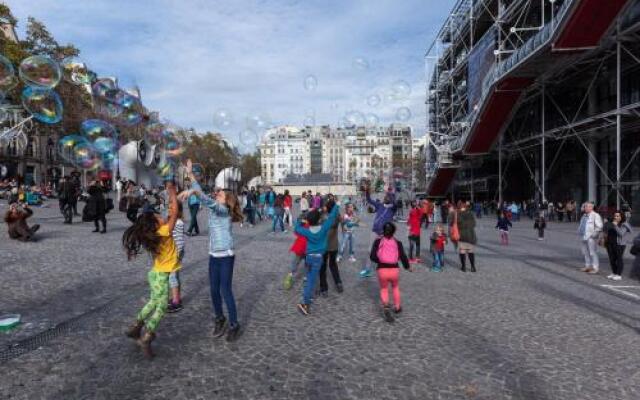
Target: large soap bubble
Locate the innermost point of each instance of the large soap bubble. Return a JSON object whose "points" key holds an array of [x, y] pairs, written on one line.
{"points": [[354, 118], [40, 72], [8, 78], [102, 134], [43, 104], [400, 90], [85, 156], [130, 117], [403, 114], [172, 141], [373, 100], [107, 108], [77, 72], [154, 132], [222, 118], [258, 122], [105, 88], [360, 63], [66, 144], [125, 99], [371, 120], [310, 83]]}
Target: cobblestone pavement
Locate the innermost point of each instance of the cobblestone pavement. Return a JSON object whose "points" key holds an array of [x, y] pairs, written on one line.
{"points": [[528, 325]]}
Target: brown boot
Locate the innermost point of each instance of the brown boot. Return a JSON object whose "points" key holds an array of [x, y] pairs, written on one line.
{"points": [[134, 330], [145, 343]]}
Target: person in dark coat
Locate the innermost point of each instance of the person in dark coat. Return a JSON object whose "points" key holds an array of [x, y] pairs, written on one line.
{"points": [[635, 251], [66, 193], [96, 208], [468, 239], [16, 219]]}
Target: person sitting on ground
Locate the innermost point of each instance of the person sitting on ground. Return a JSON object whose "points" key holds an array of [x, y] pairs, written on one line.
{"points": [[16, 219]]}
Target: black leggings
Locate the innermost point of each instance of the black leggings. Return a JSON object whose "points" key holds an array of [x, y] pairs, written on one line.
{"points": [[414, 242], [132, 214], [329, 258], [616, 253]]}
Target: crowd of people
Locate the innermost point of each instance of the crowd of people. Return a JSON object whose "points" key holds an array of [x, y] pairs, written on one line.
{"points": [[325, 233]]}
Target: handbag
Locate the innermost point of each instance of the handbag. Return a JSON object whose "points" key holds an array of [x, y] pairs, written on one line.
{"points": [[455, 231], [635, 250]]}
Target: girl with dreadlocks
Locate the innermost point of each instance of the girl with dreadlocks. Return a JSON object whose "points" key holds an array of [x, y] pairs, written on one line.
{"points": [[154, 234]]}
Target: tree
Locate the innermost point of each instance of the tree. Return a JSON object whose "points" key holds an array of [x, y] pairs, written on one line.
{"points": [[40, 41], [250, 166]]}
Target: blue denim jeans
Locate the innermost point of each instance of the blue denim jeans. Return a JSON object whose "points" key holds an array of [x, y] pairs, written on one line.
{"points": [[277, 219], [220, 279], [438, 260], [313, 263], [347, 238]]}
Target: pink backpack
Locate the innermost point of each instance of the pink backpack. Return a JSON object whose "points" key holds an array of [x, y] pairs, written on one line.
{"points": [[388, 251]]}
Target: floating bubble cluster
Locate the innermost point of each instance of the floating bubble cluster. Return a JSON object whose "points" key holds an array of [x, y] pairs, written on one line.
{"points": [[8, 78], [43, 104], [102, 134], [310, 83], [40, 72]]}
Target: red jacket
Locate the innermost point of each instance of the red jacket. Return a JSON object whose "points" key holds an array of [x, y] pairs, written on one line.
{"points": [[415, 217], [299, 246], [288, 201]]}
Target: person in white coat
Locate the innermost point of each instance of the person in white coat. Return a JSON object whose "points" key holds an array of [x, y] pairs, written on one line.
{"points": [[588, 232]]}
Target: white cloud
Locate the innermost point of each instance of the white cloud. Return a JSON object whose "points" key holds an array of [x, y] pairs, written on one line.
{"points": [[191, 57]]}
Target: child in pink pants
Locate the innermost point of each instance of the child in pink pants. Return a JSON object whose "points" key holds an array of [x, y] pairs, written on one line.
{"points": [[387, 253]]}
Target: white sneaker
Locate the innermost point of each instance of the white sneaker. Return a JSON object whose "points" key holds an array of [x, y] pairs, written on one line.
{"points": [[339, 258], [352, 259], [617, 278], [610, 276]]}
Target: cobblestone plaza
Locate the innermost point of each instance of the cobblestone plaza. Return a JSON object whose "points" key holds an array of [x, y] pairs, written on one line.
{"points": [[527, 325]]}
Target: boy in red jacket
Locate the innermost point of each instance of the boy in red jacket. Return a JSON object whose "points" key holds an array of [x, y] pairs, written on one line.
{"points": [[299, 250], [414, 222]]}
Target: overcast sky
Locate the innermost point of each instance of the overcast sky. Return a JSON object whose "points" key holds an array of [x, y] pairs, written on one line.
{"points": [[193, 57]]}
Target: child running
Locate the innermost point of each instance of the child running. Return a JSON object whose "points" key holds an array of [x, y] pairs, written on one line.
{"points": [[415, 220], [384, 210], [175, 304], [330, 256], [299, 249], [502, 226], [153, 234], [349, 222], [316, 235], [438, 241], [387, 252]]}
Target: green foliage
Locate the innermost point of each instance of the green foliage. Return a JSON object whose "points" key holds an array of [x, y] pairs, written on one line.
{"points": [[40, 41]]}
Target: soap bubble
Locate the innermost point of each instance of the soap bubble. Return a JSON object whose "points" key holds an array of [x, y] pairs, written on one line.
{"points": [[130, 117], [371, 120], [258, 122], [85, 156], [353, 118], [310, 83], [66, 144], [40, 72], [43, 104], [77, 72], [403, 114], [8, 78], [166, 169], [400, 90], [373, 100], [107, 108], [248, 138], [153, 132], [360, 63], [102, 134], [125, 99], [222, 118], [172, 141], [105, 88], [197, 170]]}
